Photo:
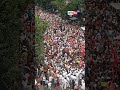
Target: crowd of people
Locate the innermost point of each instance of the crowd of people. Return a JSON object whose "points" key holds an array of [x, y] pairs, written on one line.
{"points": [[102, 46], [64, 53], [65, 64], [27, 48]]}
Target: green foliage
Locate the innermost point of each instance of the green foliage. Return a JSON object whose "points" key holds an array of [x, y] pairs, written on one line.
{"points": [[40, 29], [9, 78], [43, 3], [61, 5]]}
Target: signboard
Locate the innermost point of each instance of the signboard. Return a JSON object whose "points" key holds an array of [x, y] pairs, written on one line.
{"points": [[73, 12], [73, 15]]}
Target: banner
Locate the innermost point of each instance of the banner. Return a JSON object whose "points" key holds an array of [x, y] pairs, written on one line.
{"points": [[74, 13], [70, 13]]}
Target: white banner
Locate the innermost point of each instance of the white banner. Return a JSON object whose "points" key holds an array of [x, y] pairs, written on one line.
{"points": [[70, 13]]}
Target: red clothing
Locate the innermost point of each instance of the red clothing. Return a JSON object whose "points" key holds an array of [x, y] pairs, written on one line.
{"points": [[81, 63], [66, 50], [82, 51]]}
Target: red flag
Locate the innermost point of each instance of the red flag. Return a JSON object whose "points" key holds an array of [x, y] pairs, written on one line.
{"points": [[75, 13], [114, 56], [82, 51]]}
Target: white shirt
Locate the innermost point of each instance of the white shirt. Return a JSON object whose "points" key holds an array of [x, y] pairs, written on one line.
{"points": [[44, 78], [65, 83], [50, 78], [73, 77], [83, 85], [49, 84]]}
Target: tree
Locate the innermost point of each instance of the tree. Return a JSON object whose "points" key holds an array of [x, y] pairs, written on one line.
{"points": [[43, 3], [40, 29], [63, 7], [10, 26]]}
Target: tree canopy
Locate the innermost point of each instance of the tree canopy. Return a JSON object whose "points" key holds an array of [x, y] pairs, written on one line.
{"points": [[40, 28], [61, 4], [10, 26]]}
